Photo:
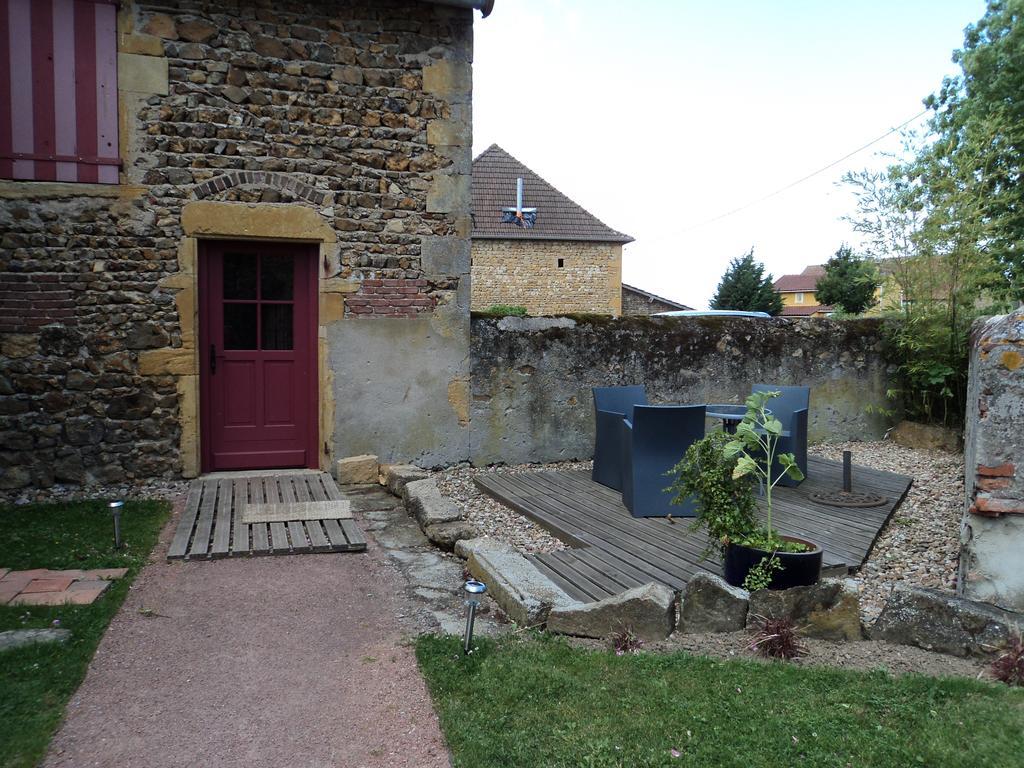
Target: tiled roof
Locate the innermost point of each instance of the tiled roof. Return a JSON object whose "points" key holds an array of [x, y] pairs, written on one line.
{"points": [[801, 310], [558, 218], [818, 270], [788, 283], [654, 297]]}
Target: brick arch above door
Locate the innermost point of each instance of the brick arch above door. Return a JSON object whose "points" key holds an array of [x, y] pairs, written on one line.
{"points": [[280, 181]]}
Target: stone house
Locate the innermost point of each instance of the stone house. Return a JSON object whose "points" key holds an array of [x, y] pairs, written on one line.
{"points": [[636, 301], [569, 261], [234, 235], [798, 293]]}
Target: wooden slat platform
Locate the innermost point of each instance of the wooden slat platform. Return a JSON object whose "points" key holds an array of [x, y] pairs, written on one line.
{"points": [[211, 524], [613, 551]]}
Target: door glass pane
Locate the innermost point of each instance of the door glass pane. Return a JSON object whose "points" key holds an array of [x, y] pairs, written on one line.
{"points": [[239, 276], [276, 278], [277, 326], [239, 326]]}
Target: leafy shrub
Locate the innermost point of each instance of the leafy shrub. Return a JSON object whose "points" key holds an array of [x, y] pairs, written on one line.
{"points": [[1009, 666], [777, 639], [626, 641], [724, 504]]}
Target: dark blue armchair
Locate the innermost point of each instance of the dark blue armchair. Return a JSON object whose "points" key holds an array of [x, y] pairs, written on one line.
{"points": [[791, 408], [653, 442], [611, 406]]}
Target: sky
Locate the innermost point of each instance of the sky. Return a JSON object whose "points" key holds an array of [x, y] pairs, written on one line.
{"points": [[658, 116]]}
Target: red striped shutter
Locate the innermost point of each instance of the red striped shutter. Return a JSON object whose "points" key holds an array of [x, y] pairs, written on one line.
{"points": [[58, 90]]}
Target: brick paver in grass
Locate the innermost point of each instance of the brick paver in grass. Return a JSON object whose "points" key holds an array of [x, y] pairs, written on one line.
{"points": [[44, 587]]}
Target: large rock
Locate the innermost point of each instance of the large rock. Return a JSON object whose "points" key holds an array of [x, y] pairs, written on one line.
{"points": [[428, 505], [829, 609], [467, 547], [523, 592], [447, 535], [396, 476], [15, 638], [648, 611], [941, 622], [355, 470], [912, 434], [711, 604]]}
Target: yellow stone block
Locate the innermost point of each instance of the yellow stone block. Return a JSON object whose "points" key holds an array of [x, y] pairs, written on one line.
{"points": [[144, 45], [179, 361], [332, 308], [142, 74], [283, 222], [339, 285], [448, 79]]}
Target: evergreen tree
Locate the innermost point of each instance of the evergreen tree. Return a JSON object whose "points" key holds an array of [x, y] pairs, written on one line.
{"points": [[745, 287], [850, 282]]}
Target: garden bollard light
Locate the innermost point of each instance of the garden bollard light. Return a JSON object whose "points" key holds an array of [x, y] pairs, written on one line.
{"points": [[847, 471], [473, 588], [115, 508]]}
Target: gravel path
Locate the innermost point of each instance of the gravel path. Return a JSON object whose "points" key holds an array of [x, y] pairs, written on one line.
{"points": [[920, 545], [493, 519], [254, 662]]}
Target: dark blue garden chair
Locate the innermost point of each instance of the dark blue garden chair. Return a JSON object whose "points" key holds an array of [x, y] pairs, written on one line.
{"points": [[611, 406], [791, 408], [653, 442]]}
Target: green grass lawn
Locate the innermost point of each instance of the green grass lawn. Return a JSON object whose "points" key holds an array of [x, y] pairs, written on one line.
{"points": [[539, 702], [37, 681]]}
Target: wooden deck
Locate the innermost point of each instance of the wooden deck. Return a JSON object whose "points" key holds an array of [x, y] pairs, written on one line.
{"points": [[613, 551], [211, 524]]}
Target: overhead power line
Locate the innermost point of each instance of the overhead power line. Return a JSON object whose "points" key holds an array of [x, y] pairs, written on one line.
{"points": [[802, 179]]}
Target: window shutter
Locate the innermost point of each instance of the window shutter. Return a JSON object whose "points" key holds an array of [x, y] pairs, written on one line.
{"points": [[58, 90]]}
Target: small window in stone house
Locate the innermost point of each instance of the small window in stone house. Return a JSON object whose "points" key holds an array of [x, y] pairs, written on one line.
{"points": [[561, 263], [799, 298], [58, 91]]}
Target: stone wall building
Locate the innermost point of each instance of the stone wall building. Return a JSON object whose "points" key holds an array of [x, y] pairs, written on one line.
{"points": [[234, 235], [568, 261], [636, 301]]}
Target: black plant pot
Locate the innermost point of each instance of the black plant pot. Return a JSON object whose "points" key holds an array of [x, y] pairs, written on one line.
{"points": [[799, 569]]}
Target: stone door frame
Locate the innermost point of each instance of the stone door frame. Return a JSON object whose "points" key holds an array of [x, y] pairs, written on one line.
{"points": [[245, 221]]}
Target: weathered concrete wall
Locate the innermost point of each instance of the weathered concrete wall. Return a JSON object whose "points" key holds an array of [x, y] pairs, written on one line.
{"points": [[992, 536], [532, 376], [548, 277], [401, 386]]}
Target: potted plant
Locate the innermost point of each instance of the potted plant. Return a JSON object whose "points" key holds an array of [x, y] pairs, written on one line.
{"points": [[717, 471]]}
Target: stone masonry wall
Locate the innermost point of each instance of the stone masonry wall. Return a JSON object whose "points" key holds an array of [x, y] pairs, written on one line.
{"points": [[991, 559], [532, 376], [526, 273], [356, 113], [634, 303]]}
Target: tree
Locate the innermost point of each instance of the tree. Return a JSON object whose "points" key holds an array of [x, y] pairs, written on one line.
{"points": [[850, 282], [744, 287], [974, 168]]}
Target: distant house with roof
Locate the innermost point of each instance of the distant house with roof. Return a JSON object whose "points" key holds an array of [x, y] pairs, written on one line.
{"points": [[798, 293], [636, 301], [567, 261]]}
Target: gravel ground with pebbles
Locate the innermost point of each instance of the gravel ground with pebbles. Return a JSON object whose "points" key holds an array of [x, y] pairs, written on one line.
{"points": [[920, 545], [140, 489]]}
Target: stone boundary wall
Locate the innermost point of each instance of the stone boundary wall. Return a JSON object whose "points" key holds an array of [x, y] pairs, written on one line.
{"points": [[992, 534], [531, 377]]}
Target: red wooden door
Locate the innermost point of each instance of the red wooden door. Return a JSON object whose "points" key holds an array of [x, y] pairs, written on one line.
{"points": [[257, 332]]}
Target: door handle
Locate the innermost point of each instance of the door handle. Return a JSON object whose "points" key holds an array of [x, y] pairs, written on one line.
{"points": [[213, 358]]}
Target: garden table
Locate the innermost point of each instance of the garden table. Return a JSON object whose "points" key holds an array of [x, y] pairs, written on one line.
{"points": [[731, 415]]}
